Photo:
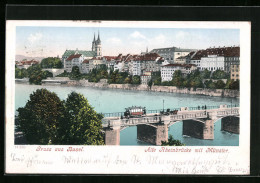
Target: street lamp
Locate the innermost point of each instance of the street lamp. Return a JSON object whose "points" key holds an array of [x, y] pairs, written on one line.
{"points": [[163, 105], [231, 105]]}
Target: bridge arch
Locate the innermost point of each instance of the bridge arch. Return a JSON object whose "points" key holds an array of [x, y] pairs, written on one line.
{"points": [[230, 124], [224, 117], [194, 128]]}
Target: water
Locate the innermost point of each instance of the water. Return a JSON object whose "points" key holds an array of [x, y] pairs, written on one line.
{"points": [[114, 100]]}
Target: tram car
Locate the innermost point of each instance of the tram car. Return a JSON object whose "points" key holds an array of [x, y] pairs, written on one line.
{"points": [[168, 112], [134, 111]]}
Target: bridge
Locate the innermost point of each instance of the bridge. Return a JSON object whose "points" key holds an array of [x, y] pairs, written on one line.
{"points": [[55, 72], [153, 127]]}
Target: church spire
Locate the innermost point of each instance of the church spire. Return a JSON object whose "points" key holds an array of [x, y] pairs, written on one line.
{"points": [[94, 38], [98, 39], [146, 49]]}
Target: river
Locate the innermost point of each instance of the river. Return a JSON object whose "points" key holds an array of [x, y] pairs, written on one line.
{"points": [[115, 100]]}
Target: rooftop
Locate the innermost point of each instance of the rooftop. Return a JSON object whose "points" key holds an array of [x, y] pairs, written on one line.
{"points": [[179, 65], [220, 51], [73, 56]]}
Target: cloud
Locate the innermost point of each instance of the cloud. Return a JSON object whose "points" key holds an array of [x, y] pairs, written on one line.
{"points": [[137, 35], [160, 39], [182, 35], [34, 37], [114, 40]]}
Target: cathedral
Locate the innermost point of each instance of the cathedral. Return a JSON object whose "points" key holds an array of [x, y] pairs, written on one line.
{"points": [[96, 46], [96, 51]]}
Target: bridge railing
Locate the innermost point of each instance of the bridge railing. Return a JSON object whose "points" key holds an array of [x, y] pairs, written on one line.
{"points": [[113, 114], [159, 110], [233, 105], [233, 111], [134, 121], [202, 107], [189, 116]]}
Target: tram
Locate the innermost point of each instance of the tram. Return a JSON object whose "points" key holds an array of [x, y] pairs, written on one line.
{"points": [[169, 112], [134, 111]]}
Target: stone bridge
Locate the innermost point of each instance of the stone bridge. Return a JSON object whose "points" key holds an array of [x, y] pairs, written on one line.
{"points": [[55, 72], [153, 128]]}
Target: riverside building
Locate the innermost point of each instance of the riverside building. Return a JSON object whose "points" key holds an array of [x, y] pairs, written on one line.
{"points": [[172, 53], [235, 71], [168, 70], [214, 59]]}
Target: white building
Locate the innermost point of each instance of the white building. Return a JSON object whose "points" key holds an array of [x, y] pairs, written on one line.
{"points": [[136, 68], [212, 63], [85, 66], [73, 60], [168, 70], [119, 65], [214, 59], [146, 77]]}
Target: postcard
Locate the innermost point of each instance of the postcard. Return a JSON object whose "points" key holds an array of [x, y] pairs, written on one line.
{"points": [[127, 97]]}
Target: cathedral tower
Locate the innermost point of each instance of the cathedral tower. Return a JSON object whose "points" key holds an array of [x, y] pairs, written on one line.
{"points": [[98, 47], [94, 43]]}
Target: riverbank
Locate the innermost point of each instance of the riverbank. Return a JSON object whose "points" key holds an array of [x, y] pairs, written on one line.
{"points": [[168, 89]]}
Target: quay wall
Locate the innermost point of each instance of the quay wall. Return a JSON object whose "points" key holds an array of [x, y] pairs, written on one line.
{"points": [[154, 88], [168, 89]]}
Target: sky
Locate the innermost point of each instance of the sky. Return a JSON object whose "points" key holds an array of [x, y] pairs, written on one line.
{"points": [[53, 41]]}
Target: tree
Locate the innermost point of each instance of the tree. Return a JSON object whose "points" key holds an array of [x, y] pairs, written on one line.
{"points": [[231, 84], [172, 142], [75, 73], [51, 62], [150, 83], [206, 74], [157, 80], [46, 119], [20, 73], [196, 82], [220, 74], [219, 84], [39, 119], [64, 74], [35, 74], [83, 124], [47, 74], [235, 85], [136, 80], [128, 80], [177, 79]]}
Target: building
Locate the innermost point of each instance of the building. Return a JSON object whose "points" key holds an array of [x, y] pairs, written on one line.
{"points": [[74, 60], [96, 51], [96, 46], [146, 77], [85, 54], [110, 61], [151, 62], [235, 71], [185, 59], [232, 56], [172, 53], [214, 59], [168, 70], [85, 66], [24, 64]]}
